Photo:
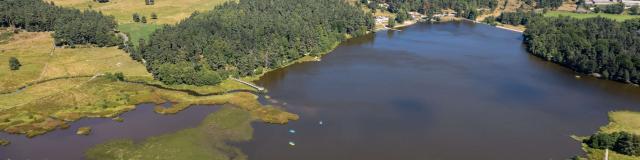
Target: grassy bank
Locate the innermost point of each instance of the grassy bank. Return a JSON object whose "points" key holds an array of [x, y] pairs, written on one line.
{"points": [[207, 141], [617, 17], [619, 121]]}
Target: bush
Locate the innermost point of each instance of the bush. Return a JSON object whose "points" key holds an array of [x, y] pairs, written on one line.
{"points": [[118, 76], [391, 23], [634, 10], [617, 8], [491, 21], [14, 64], [136, 17]]}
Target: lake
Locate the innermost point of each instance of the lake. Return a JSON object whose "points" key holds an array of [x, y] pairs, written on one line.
{"points": [[435, 91], [455, 90]]}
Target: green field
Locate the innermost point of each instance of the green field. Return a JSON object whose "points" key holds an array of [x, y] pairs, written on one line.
{"points": [[617, 17], [137, 31]]}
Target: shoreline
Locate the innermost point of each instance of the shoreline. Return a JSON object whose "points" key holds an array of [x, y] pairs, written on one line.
{"points": [[500, 26], [509, 29]]}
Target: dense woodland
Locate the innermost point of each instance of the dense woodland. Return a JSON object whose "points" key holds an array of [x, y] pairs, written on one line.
{"points": [[71, 26], [244, 38], [621, 142], [593, 45]]}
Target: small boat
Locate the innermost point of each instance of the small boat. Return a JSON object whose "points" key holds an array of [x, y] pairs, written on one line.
{"points": [[320, 123], [292, 131], [292, 144]]}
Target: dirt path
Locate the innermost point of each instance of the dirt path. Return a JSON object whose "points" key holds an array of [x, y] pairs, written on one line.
{"points": [[44, 69]]}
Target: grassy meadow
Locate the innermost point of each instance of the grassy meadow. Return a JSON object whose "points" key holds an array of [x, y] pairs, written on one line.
{"points": [[41, 61], [138, 31], [617, 17]]}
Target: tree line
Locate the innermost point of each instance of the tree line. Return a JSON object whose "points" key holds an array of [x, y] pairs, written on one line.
{"points": [[594, 45], [517, 18], [621, 142], [617, 8], [247, 37], [545, 3], [70, 26], [464, 8]]}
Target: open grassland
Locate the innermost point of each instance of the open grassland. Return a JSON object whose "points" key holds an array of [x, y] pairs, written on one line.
{"points": [[136, 31], [32, 49], [619, 121], [168, 11], [61, 96], [617, 17], [207, 141], [41, 61], [626, 121]]}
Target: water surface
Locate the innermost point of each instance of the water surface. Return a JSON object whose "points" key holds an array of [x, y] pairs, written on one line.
{"points": [[435, 91]]}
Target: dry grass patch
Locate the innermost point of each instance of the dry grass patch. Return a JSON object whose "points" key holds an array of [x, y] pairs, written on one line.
{"points": [[91, 61], [32, 50], [41, 61], [627, 121], [168, 11]]}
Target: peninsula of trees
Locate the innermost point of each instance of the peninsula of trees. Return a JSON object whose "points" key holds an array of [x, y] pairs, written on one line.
{"points": [[244, 38], [593, 45]]}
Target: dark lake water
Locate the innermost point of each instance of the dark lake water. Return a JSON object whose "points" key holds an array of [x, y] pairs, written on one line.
{"points": [[66, 145], [435, 91], [454, 90]]}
